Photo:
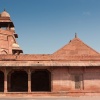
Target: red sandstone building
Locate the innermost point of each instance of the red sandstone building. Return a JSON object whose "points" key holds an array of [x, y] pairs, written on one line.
{"points": [[73, 69]]}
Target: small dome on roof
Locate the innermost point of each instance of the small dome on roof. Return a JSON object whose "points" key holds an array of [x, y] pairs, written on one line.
{"points": [[12, 29], [15, 45], [5, 14]]}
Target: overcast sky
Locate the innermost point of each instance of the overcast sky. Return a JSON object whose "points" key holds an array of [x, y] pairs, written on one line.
{"points": [[44, 26]]}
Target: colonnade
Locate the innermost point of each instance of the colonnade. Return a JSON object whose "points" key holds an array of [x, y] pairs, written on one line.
{"points": [[30, 75]]}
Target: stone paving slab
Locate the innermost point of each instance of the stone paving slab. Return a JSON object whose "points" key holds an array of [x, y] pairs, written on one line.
{"points": [[56, 98]]}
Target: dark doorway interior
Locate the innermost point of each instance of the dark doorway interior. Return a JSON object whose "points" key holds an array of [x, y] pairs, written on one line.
{"points": [[1, 81], [19, 81], [41, 80]]}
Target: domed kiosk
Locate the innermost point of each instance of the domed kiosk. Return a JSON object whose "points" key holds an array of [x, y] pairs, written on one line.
{"points": [[5, 14], [16, 49]]}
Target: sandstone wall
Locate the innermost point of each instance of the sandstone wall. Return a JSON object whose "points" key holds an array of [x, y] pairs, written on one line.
{"points": [[63, 79]]}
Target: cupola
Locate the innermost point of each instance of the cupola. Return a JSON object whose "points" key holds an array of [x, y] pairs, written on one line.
{"points": [[5, 14]]}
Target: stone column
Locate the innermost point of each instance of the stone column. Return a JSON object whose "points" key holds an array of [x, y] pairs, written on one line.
{"points": [[9, 81], [5, 81], [29, 81]]}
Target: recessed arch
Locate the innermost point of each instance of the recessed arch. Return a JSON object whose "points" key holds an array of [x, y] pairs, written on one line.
{"points": [[40, 80], [18, 81], [3, 52], [1, 81]]}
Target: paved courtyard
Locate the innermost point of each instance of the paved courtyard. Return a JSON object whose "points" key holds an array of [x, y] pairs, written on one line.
{"points": [[56, 98]]}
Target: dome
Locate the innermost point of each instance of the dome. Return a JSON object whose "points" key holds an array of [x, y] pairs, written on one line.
{"points": [[12, 29], [5, 14], [15, 46]]}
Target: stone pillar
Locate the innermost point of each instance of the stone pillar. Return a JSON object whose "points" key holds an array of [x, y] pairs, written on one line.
{"points": [[5, 81], [9, 82], [29, 81]]}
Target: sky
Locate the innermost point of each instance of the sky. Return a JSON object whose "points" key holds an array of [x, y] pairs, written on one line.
{"points": [[44, 26]]}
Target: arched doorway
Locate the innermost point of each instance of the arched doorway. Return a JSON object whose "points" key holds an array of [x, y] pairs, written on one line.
{"points": [[19, 81], [41, 80], [1, 81]]}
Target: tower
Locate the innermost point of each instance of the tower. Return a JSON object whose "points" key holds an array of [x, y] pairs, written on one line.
{"points": [[8, 44]]}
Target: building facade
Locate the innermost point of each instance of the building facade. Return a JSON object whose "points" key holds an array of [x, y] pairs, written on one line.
{"points": [[72, 70]]}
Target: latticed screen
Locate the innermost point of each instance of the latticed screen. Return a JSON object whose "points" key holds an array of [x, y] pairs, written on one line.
{"points": [[77, 82]]}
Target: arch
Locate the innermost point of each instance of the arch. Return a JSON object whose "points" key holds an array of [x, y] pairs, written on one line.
{"points": [[3, 52], [41, 80], [1, 81], [18, 81], [12, 37]]}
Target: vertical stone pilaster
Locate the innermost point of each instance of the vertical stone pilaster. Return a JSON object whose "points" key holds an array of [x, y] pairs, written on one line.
{"points": [[10, 39], [29, 81], [5, 81], [84, 71]]}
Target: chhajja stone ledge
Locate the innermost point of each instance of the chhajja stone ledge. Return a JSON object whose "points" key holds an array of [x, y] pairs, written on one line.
{"points": [[48, 63]]}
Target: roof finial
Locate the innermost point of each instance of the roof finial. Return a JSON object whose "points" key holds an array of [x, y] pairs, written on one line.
{"points": [[4, 9], [75, 35]]}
